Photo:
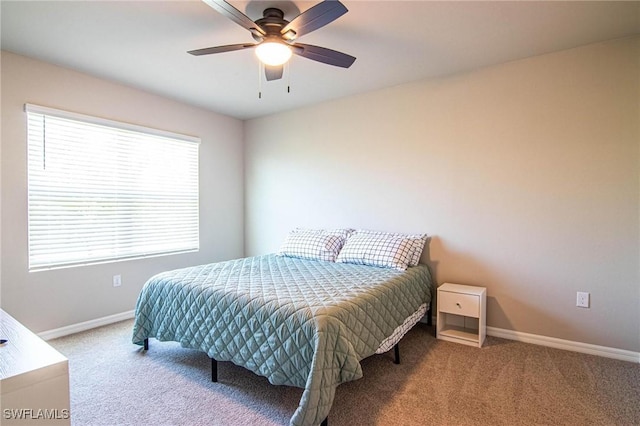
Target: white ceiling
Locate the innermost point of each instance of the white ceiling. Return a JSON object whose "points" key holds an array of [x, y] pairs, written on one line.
{"points": [[144, 44]]}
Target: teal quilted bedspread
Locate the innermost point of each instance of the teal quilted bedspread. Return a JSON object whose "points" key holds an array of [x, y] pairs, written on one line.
{"points": [[297, 322]]}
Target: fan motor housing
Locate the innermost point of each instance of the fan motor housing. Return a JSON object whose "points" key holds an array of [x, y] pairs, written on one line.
{"points": [[272, 22]]}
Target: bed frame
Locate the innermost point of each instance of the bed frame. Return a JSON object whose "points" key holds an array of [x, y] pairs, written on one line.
{"points": [[325, 422]]}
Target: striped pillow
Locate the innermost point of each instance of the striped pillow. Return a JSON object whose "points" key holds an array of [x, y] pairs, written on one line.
{"points": [[313, 244], [417, 242], [377, 250], [342, 232]]}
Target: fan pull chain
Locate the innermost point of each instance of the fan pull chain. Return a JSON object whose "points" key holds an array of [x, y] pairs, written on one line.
{"points": [[260, 72], [288, 66]]}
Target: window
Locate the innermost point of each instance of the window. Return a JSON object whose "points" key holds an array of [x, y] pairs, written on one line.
{"points": [[101, 191]]}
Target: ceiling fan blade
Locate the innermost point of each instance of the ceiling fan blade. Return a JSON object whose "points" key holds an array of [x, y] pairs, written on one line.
{"points": [[316, 17], [273, 72], [235, 15], [324, 55], [220, 49]]}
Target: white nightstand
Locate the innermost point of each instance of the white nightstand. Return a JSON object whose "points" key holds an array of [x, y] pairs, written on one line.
{"points": [[462, 314]]}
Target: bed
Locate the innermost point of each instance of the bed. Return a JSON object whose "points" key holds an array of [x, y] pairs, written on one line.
{"points": [[297, 322]]}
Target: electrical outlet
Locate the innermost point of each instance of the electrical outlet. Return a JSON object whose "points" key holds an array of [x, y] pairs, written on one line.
{"points": [[117, 280], [582, 299]]}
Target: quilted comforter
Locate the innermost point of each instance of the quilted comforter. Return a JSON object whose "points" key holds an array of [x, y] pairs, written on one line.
{"points": [[300, 323]]}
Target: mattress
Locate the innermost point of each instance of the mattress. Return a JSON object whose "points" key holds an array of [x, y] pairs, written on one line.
{"points": [[302, 323]]}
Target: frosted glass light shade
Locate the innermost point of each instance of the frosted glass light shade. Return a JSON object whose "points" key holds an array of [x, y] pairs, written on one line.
{"points": [[273, 53]]}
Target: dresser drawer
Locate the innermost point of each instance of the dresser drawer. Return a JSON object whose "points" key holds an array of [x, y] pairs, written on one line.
{"points": [[467, 305]]}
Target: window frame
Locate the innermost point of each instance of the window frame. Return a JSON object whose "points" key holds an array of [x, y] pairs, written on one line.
{"points": [[134, 131]]}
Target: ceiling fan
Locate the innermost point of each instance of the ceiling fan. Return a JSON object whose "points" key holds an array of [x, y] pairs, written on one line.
{"points": [[277, 38]]}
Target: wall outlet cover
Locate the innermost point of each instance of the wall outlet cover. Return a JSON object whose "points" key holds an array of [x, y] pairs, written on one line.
{"points": [[582, 299]]}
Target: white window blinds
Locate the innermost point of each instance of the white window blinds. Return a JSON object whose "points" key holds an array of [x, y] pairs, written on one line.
{"points": [[102, 191]]}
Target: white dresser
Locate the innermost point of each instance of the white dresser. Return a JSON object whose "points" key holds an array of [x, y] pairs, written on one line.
{"points": [[34, 378]]}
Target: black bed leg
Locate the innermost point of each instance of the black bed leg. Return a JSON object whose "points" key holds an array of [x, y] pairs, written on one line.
{"points": [[146, 344], [214, 370], [325, 422], [396, 349], [430, 319]]}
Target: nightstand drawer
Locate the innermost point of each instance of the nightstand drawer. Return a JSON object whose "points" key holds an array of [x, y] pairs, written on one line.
{"points": [[467, 305]]}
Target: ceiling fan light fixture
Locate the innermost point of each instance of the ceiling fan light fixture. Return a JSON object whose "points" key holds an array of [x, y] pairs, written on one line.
{"points": [[273, 53], [277, 37]]}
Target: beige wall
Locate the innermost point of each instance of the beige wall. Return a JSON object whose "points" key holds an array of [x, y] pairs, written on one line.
{"points": [[53, 299], [525, 174]]}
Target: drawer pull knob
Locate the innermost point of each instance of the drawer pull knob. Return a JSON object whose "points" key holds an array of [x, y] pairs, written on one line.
{"points": [[458, 305]]}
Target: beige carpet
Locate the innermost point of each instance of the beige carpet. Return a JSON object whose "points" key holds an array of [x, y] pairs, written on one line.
{"points": [[113, 382]]}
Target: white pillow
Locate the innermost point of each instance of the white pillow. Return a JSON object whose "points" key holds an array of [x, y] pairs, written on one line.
{"points": [[314, 244], [417, 242], [377, 250]]}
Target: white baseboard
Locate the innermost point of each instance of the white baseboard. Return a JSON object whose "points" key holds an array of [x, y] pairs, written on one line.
{"points": [[87, 325], [535, 339], [568, 345]]}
